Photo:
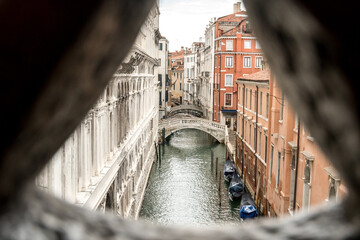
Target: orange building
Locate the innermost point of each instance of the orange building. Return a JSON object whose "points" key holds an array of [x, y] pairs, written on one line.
{"points": [[237, 54], [296, 185], [269, 136], [176, 75]]}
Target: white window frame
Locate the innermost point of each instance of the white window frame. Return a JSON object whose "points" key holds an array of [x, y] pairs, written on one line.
{"points": [[225, 99], [229, 47], [244, 62], [232, 80], [256, 61], [229, 59], [247, 44]]}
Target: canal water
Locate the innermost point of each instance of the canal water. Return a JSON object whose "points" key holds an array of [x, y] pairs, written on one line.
{"points": [[183, 189]]}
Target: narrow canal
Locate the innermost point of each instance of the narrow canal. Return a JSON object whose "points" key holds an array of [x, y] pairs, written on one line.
{"points": [[183, 189]]}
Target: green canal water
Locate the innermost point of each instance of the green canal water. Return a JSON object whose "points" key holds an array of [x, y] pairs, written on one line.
{"points": [[183, 189]]}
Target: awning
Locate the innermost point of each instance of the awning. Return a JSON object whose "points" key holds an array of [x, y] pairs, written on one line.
{"points": [[230, 111]]}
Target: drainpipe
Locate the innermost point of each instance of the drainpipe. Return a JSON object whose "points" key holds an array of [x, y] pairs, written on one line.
{"points": [[256, 131], [243, 135], [296, 165], [219, 83]]}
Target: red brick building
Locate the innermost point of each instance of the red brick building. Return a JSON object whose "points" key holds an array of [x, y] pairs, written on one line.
{"points": [[237, 54]]}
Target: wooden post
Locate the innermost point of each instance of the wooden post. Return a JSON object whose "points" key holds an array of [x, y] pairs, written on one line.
{"points": [[216, 167], [159, 155], [220, 187], [212, 160]]}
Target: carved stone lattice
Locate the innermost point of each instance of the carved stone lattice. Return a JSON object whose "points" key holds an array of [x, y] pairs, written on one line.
{"points": [[129, 67], [67, 60]]}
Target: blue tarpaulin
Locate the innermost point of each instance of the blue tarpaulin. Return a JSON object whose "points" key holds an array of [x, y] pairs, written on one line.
{"points": [[248, 211]]}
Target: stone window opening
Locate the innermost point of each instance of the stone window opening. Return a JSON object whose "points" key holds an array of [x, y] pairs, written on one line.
{"points": [[281, 32]]}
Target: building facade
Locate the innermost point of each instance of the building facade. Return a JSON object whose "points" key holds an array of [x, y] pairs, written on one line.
{"points": [[206, 76], [192, 73], [253, 132], [105, 163], [269, 135], [176, 74], [237, 54], [299, 175], [163, 77]]}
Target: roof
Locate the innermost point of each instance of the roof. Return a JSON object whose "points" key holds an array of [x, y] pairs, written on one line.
{"points": [[234, 17], [263, 75]]}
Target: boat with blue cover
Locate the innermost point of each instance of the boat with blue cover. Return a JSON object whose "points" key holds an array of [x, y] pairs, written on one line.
{"points": [[247, 207], [236, 187], [229, 169]]}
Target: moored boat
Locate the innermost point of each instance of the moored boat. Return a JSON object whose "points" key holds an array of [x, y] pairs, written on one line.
{"points": [[236, 187], [229, 169], [247, 207]]}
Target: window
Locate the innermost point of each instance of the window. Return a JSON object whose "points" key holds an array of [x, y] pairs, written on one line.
{"points": [[278, 170], [228, 99], [250, 99], [229, 62], [180, 86], [261, 96], [247, 44], [166, 47], [245, 127], [258, 62], [259, 140], [271, 161], [265, 151], [257, 45], [247, 62], [246, 98], [174, 87], [160, 46], [229, 45], [249, 133], [282, 106], [267, 105], [254, 142], [160, 79], [228, 80], [187, 73]]}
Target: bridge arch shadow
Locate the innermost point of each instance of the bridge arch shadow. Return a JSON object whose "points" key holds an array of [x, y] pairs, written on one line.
{"points": [[168, 135]]}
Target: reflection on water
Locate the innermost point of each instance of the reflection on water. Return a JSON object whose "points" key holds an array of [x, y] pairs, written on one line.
{"points": [[183, 189]]}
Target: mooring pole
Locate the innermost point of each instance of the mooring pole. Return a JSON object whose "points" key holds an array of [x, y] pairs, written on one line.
{"points": [[163, 136], [159, 155], [156, 151], [220, 187], [212, 160], [216, 167]]}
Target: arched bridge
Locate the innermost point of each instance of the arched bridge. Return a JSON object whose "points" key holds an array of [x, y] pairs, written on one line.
{"points": [[190, 109], [175, 124]]}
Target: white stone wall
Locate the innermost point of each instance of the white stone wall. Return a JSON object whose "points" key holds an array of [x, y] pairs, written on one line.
{"points": [[163, 70], [206, 85], [105, 163]]}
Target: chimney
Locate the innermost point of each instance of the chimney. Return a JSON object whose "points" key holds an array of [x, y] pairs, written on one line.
{"points": [[237, 7]]}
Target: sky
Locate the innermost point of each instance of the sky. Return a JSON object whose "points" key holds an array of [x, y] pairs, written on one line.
{"points": [[183, 22]]}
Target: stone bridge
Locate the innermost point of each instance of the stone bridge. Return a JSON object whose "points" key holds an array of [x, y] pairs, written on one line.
{"points": [[175, 124], [190, 109]]}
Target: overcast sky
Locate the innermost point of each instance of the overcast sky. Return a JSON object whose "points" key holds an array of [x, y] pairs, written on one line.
{"points": [[183, 22]]}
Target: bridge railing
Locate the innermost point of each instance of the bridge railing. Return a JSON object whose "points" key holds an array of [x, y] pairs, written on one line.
{"points": [[185, 107], [190, 121]]}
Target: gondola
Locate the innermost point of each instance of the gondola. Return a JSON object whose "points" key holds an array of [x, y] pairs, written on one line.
{"points": [[247, 207], [229, 169], [236, 187]]}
